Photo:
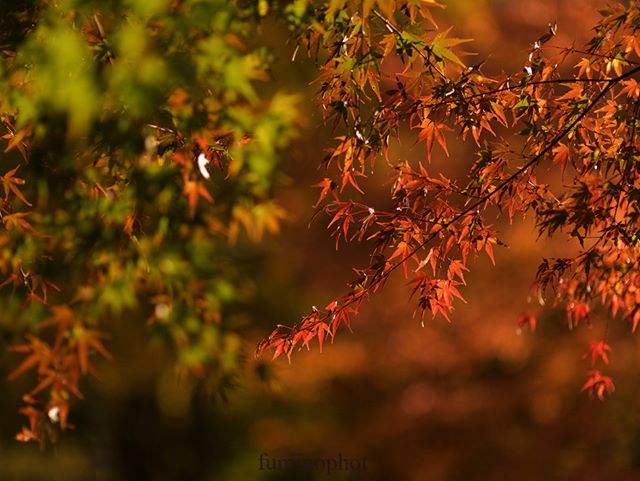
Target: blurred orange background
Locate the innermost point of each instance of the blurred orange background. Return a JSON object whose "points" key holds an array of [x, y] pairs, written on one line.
{"points": [[476, 399]]}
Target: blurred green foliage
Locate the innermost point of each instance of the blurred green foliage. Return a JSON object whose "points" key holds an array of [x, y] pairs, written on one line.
{"points": [[144, 150]]}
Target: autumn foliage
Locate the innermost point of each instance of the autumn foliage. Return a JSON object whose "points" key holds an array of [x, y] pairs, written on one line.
{"points": [[575, 169], [136, 152], [139, 150]]}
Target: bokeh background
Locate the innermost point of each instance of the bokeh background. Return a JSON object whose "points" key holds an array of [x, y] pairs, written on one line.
{"points": [[477, 399]]}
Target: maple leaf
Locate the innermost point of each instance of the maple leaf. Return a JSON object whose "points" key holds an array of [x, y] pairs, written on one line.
{"points": [[26, 435], [440, 47], [403, 251], [27, 364], [16, 140], [193, 190], [526, 319], [322, 329], [34, 431], [328, 186], [41, 284], [598, 351], [456, 268], [598, 384], [11, 183], [17, 219], [430, 131], [87, 339], [576, 312], [39, 353], [348, 178]]}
